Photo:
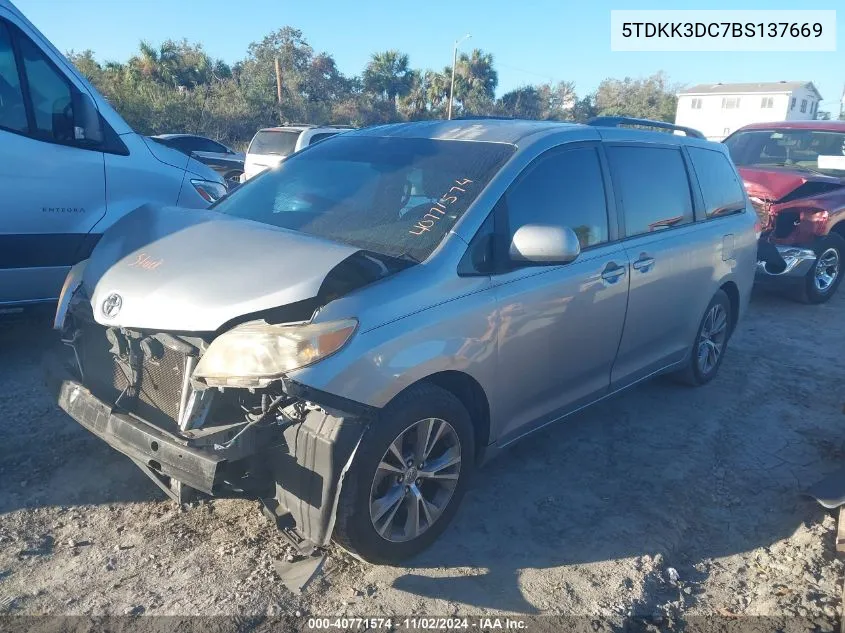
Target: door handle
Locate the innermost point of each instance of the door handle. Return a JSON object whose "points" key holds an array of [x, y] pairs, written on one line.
{"points": [[613, 273], [644, 263]]}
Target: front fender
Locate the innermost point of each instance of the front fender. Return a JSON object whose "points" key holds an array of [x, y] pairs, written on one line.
{"points": [[458, 335]]}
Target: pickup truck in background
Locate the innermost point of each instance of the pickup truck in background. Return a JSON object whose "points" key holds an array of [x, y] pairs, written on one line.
{"points": [[794, 173]]}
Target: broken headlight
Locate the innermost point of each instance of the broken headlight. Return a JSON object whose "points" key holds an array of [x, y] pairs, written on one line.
{"points": [[256, 353]]}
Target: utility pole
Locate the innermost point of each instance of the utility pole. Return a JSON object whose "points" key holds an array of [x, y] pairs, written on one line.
{"points": [[455, 63], [278, 81]]}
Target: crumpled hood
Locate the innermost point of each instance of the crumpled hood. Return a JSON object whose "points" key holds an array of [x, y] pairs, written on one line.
{"points": [[776, 183], [194, 270]]}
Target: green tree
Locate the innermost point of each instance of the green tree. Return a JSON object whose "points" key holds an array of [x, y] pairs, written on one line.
{"points": [[585, 109], [177, 87], [437, 90], [475, 82], [649, 98], [558, 100], [521, 103], [414, 105], [388, 75]]}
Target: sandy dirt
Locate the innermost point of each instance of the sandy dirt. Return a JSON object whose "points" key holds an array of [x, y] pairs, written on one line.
{"points": [[586, 518]]}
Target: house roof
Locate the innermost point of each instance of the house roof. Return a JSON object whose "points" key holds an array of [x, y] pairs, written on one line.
{"points": [[762, 87]]}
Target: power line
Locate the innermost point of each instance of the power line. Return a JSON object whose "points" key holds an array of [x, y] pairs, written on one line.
{"points": [[527, 72]]}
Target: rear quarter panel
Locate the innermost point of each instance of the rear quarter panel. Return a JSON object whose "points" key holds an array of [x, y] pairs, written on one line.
{"points": [[734, 259]]}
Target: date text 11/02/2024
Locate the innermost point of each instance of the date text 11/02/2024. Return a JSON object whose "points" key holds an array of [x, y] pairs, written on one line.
{"points": [[417, 623]]}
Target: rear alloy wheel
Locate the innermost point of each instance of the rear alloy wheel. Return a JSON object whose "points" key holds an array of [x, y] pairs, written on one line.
{"points": [[824, 277], [710, 344], [408, 476]]}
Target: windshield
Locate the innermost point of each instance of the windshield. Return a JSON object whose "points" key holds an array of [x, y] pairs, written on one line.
{"points": [[816, 150], [274, 142], [393, 196]]}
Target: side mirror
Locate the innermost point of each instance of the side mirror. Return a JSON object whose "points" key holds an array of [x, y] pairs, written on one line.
{"points": [[540, 243], [87, 126]]}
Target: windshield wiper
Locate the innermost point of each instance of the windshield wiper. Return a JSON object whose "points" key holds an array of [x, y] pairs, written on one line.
{"points": [[791, 166], [405, 256], [811, 170]]}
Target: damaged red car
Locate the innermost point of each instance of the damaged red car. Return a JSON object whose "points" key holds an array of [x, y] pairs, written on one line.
{"points": [[794, 172]]}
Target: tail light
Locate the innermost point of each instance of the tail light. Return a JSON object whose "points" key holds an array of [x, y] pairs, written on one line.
{"points": [[758, 229]]}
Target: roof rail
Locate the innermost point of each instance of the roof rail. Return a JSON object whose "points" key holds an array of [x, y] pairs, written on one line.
{"points": [[616, 121]]}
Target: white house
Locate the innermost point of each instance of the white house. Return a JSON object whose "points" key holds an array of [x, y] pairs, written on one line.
{"points": [[718, 109]]}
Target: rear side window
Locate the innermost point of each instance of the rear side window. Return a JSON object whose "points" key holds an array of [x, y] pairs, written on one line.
{"points": [[564, 189], [319, 137], [200, 144], [276, 142], [653, 186], [188, 144], [720, 187], [12, 109]]}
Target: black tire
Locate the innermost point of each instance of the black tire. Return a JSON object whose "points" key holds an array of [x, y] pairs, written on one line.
{"points": [[354, 529], [232, 178], [693, 374], [812, 293]]}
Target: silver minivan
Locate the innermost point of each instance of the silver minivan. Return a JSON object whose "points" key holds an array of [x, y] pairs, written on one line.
{"points": [[351, 333]]}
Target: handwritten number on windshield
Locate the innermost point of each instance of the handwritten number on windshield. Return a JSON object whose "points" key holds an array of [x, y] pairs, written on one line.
{"points": [[435, 213]]}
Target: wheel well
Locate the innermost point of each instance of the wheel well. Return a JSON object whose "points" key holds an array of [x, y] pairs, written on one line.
{"points": [[839, 228], [732, 291], [466, 389]]}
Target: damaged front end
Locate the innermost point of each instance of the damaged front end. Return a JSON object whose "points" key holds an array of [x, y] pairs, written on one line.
{"points": [[283, 443], [789, 225]]}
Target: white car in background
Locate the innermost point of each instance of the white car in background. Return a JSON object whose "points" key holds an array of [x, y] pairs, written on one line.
{"points": [[271, 145]]}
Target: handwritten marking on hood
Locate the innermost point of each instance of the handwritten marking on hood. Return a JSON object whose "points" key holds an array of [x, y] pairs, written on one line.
{"points": [[146, 262]]}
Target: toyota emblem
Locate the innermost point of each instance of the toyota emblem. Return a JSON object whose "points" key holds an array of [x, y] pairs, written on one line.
{"points": [[112, 305]]}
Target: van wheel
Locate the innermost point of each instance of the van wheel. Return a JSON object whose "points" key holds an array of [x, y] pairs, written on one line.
{"points": [[824, 277], [711, 342], [408, 477]]}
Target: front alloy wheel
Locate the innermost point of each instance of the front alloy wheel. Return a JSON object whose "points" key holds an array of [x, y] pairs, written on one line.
{"points": [[826, 270], [415, 479], [408, 476], [824, 277]]}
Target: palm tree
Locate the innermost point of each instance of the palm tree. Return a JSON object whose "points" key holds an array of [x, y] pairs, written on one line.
{"points": [[477, 72], [146, 62], [437, 89], [415, 104], [388, 75]]}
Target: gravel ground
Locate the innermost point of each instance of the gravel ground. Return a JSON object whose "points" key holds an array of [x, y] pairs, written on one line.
{"points": [[663, 500]]}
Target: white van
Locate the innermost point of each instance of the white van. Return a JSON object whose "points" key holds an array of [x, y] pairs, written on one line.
{"points": [[271, 145], [70, 166]]}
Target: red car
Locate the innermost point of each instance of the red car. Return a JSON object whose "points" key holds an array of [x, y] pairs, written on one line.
{"points": [[794, 172]]}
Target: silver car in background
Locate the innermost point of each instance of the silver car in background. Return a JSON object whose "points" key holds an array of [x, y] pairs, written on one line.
{"points": [[350, 334]]}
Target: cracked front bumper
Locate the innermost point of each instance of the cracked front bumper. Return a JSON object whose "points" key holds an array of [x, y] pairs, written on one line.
{"points": [[144, 443], [777, 261], [307, 470]]}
